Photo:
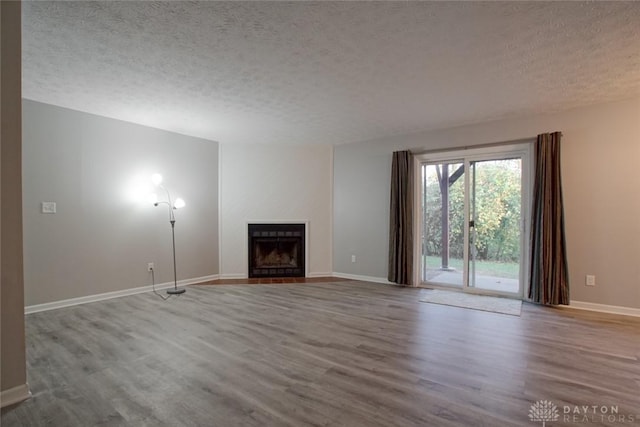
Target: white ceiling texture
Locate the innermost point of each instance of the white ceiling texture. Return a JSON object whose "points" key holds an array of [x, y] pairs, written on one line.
{"points": [[327, 72]]}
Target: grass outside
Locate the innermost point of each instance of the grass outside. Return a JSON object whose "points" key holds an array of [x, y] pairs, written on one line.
{"points": [[508, 270]]}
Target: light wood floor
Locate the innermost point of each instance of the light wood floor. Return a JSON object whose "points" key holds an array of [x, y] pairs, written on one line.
{"points": [[333, 354]]}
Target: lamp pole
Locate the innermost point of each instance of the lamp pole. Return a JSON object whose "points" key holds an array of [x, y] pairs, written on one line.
{"points": [[175, 289], [172, 221]]}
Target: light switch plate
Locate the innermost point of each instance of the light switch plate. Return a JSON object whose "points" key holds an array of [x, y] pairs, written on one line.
{"points": [[49, 207]]}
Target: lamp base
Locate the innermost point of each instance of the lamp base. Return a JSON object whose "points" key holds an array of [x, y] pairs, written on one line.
{"points": [[176, 291]]}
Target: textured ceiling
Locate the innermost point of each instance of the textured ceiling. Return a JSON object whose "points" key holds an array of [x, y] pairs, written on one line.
{"points": [[326, 72]]}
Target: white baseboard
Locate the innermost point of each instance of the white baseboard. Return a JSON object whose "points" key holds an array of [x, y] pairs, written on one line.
{"points": [[603, 308], [328, 274], [14, 395], [115, 294], [363, 278], [232, 276]]}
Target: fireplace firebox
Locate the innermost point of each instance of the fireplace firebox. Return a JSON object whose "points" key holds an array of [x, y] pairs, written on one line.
{"points": [[276, 250]]}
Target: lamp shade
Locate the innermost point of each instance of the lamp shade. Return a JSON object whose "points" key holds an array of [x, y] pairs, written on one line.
{"points": [[179, 203], [156, 178]]}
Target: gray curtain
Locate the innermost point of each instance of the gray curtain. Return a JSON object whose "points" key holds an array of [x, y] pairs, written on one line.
{"points": [[401, 219], [549, 280]]}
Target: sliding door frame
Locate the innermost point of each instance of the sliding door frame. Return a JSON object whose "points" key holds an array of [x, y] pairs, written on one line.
{"points": [[467, 155]]}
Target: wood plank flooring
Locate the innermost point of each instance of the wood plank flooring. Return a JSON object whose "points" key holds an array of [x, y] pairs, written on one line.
{"points": [[321, 354]]}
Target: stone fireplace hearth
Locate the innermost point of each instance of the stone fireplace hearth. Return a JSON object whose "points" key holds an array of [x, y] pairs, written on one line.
{"points": [[276, 250]]}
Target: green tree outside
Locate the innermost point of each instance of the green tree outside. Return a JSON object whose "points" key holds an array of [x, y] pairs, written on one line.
{"points": [[496, 214]]}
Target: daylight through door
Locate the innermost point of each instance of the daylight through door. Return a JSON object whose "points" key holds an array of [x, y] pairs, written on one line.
{"points": [[472, 221]]}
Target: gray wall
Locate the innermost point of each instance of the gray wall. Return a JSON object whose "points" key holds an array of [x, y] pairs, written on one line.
{"points": [[599, 156], [13, 371], [105, 230], [361, 189]]}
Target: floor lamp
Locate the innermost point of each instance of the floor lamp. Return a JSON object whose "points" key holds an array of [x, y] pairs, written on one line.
{"points": [[179, 203]]}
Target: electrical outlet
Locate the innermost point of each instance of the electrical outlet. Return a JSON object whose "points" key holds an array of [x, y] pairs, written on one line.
{"points": [[150, 266], [49, 207], [353, 258], [590, 280]]}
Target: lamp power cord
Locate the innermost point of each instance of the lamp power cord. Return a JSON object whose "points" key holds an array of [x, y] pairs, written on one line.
{"points": [[153, 286]]}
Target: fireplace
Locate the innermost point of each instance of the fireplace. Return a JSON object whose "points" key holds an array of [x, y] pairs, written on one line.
{"points": [[276, 250]]}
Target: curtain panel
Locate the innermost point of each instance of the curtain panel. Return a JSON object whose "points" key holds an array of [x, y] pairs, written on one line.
{"points": [[549, 279], [401, 219]]}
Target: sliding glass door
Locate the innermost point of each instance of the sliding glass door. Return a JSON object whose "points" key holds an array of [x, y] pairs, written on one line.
{"points": [[472, 230], [443, 222], [495, 220]]}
